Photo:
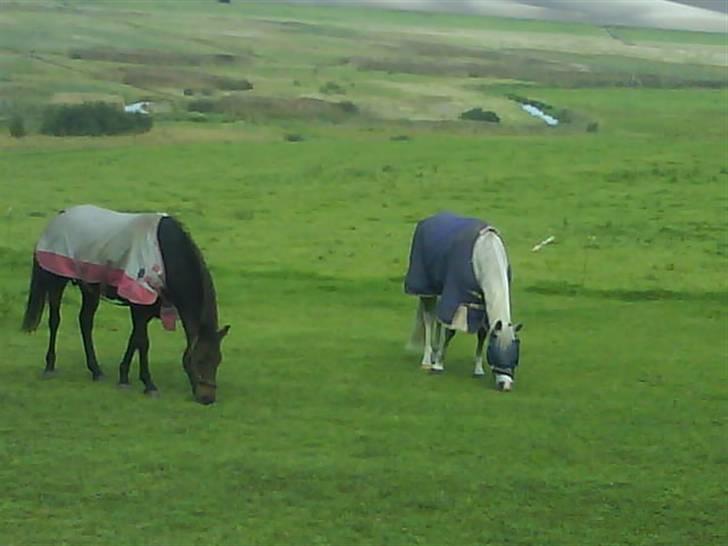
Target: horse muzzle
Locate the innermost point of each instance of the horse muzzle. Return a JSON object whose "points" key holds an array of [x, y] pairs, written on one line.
{"points": [[503, 382], [205, 394]]}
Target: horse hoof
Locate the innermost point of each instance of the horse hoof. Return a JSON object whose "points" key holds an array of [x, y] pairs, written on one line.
{"points": [[49, 374], [426, 367], [98, 376], [151, 393], [437, 371], [124, 386]]}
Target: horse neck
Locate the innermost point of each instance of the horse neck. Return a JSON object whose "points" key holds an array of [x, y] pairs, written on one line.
{"points": [[490, 264], [208, 314], [198, 307], [190, 286]]}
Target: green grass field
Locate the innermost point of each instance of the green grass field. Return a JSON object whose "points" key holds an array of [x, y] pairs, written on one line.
{"points": [[326, 431]]}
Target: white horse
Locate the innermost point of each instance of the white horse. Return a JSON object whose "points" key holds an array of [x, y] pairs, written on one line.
{"points": [[491, 271]]}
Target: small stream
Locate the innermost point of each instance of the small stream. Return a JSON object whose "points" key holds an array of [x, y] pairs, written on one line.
{"points": [[536, 112]]}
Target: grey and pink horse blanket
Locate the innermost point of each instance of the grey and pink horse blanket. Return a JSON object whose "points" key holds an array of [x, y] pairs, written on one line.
{"points": [[100, 246], [441, 264]]}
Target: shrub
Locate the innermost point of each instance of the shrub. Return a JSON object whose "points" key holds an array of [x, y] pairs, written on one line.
{"points": [[261, 108], [332, 88], [593, 127], [231, 84], [17, 127], [564, 116], [478, 114], [544, 107], [201, 105], [349, 107], [93, 119], [293, 137]]}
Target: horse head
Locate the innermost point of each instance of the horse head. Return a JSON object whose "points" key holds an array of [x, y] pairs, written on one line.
{"points": [[503, 353], [201, 360]]}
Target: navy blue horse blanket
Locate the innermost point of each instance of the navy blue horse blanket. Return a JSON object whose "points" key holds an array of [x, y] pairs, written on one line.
{"points": [[441, 264]]}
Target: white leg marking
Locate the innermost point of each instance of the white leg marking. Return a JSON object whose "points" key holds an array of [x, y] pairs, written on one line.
{"points": [[427, 354], [478, 371], [439, 351], [427, 358]]}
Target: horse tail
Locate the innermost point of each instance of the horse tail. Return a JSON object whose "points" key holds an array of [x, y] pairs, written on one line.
{"points": [[417, 338], [37, 296]]}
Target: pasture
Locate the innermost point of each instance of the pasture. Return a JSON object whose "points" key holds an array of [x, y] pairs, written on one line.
{"points": [[326, 431]]}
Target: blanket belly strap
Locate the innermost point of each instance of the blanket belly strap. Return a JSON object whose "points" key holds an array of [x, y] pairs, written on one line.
{"points": [[441, 264]]}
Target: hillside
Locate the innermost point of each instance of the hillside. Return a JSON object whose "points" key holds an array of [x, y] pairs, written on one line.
{"points": [[272, 62], [695, 15]]}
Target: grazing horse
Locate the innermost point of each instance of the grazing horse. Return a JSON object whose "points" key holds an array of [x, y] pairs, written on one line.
{"points": [[459, 269], [146, 261]]}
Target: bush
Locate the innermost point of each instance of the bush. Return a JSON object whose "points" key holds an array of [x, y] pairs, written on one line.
{"points": [[17, 127], [332, 88], [544, 107], [231, 84], [478, 114], [201, 105], [293, 137], [258, 108], [593, 127], [564, 116], [349, 107], [93, 119]]}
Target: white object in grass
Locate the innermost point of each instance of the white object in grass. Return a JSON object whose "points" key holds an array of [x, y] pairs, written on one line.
{"points": [[547, 241]]}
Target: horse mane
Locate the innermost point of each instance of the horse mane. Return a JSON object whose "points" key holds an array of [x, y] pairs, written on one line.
{"points": [[488, 236], [208, 314]]}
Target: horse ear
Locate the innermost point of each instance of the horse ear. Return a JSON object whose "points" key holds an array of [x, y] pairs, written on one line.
{"points": [[222, 333], [518, 327], [498, 326]]}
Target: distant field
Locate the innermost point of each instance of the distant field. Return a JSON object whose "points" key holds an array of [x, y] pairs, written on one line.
{"points": [[178, 53], [672, 36], [326, 431]]}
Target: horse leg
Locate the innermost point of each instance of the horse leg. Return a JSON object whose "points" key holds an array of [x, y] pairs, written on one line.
{"points": [[417, 337], [478, 371], [444, 337], [143, 316], [89, 305], [138, 340], [55, 295], [436, 336], [126, 359], [428, 317]]}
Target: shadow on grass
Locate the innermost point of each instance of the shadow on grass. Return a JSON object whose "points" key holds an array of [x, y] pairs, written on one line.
{"points": [[385, 287], [619, 294], [367, 292]]}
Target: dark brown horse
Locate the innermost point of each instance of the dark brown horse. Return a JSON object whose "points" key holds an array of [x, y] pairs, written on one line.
{"points": [[188, 287]]}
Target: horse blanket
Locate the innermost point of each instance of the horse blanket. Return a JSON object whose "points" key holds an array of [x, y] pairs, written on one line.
{"points": [[441, 264], [101, 246]]}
